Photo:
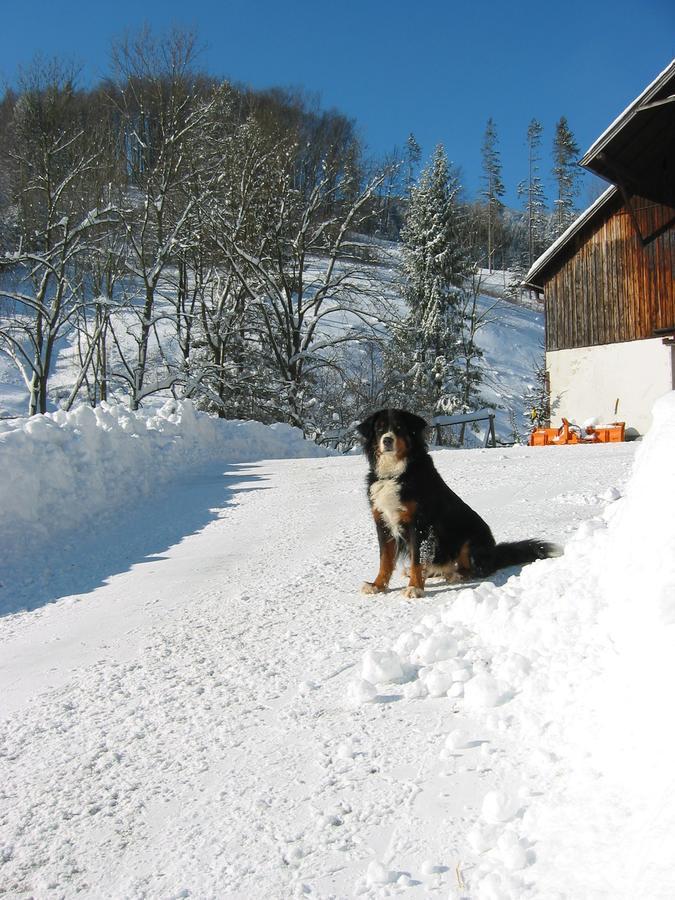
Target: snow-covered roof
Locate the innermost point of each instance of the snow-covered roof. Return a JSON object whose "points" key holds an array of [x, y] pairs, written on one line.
{"points": [[629, 112], [585, 217], [637, 151]]}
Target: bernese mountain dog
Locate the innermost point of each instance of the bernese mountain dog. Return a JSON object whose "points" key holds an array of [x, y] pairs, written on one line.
{"points": [[417, 514]]}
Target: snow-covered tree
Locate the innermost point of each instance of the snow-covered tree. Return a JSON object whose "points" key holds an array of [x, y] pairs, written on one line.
{"points": [[532, 191], [163, 112], [493, 189], [53, 151], [426, 345], [300, 279], [566, 176], [413, 154]]}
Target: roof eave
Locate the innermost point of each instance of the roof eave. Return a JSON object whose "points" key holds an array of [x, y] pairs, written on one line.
{"points": [[632, 109]]}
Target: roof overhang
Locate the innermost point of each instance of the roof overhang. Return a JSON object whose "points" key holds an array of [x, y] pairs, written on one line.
{"points": [[637, 151]]}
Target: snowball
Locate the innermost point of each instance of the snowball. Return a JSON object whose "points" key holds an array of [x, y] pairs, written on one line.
{"points": [[407, 643], [381, 666], [415, 690], [439, 645], [499, 806], [462, 673], [457, 740], [512, 852], [437, 682], [378, 873], [361, 691], [482, 691], [483, 838]]}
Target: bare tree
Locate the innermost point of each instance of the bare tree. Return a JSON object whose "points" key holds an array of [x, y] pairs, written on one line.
{"points": [[52, 152], [305, 290], [163, 106]]}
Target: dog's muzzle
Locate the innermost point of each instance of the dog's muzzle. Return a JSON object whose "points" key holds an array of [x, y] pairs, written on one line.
{"points": [[387, 442]]}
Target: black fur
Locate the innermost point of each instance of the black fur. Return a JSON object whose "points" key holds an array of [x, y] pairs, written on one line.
{"points": [[443, 530]]}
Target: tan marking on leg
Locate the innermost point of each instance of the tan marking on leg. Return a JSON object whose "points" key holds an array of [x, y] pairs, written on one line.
{"points": [[387, 563], [416, 585], [464, 560]]}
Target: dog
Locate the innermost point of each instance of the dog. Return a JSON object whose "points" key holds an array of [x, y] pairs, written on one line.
{"points": [[416, 513]]}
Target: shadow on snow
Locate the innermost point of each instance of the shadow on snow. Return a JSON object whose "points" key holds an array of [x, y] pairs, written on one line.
{"points": [[82, 560]]}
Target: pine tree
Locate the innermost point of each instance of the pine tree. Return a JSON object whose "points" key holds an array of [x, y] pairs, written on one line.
{"points": [[494, 188], [413, 154], [565, 173], [426, 346], [532, 190]]}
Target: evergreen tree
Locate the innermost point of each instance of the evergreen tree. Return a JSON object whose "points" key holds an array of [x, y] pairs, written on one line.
{"points": [[532, 190], [427, 345], [566, 175], [494, 188], [413, 154]]}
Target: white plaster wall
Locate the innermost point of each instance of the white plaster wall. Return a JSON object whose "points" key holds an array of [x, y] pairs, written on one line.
{"points": [[588, 381]]}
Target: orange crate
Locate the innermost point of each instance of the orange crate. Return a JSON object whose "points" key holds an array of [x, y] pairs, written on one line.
{"points": [[572, 434]]}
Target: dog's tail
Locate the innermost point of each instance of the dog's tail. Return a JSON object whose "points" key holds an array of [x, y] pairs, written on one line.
{"points": [[517, 553]]}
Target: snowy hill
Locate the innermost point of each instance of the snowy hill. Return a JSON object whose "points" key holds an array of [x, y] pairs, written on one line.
{"points": [[512, 342], [209, 707]]}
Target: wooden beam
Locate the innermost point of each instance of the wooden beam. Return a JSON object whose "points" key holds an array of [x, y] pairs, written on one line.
{"points": [[655, 103], [631, 212]]}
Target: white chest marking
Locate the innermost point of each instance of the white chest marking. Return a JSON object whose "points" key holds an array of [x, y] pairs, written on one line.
{"points": [[385, 494]]}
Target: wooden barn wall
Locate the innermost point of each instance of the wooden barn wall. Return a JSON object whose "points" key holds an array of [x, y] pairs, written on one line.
{"points": [[610, 288]]}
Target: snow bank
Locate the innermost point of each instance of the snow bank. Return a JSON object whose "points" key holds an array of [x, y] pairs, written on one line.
{"points": [[574, 659], [64, 469]]}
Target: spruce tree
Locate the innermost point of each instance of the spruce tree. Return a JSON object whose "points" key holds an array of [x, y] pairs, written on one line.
{"points": [[566, 175], [494, 188], [532, 190], [413, 153], [427, 345]]}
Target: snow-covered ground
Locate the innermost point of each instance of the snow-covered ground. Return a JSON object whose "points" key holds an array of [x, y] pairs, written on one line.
{"points": [[202, 703]]}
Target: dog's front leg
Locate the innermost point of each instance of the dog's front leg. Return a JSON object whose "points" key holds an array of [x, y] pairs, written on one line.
{"points": [[388, 553], [416, 584]]}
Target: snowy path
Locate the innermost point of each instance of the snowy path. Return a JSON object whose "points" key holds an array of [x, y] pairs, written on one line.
{"points": [[181, 725]]}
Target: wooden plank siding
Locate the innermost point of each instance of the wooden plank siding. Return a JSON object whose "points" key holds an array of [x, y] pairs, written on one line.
{"points": [[608, 287]]}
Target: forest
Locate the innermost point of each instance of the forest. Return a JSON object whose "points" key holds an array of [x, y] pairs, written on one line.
{"points": [[184, 234]]}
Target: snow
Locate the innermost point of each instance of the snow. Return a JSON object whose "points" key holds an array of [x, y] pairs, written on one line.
{"points": [[72, 470], [512, 340], [203, 703]]}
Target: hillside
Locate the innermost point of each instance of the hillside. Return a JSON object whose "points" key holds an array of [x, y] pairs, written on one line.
{"points": [[512, 342]]}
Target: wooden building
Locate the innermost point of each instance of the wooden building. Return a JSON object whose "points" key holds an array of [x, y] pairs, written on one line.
{"points": [[608, 282]]}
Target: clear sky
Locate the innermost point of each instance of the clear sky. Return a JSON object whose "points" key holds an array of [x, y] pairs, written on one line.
{"points": [[438, 69]]}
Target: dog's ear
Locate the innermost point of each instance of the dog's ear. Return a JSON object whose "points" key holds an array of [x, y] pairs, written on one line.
{"points": [[415, 424], [367, 428]]}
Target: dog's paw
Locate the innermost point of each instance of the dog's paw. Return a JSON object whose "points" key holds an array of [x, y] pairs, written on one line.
{"points": [[453, 577], [369, 587], [412, 592]]}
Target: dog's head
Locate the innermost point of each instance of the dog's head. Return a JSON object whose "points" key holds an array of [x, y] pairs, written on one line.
{"points": [[392, 435]]}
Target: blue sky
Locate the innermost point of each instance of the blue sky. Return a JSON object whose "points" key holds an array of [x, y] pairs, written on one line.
{"points": [[438, 69]]}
